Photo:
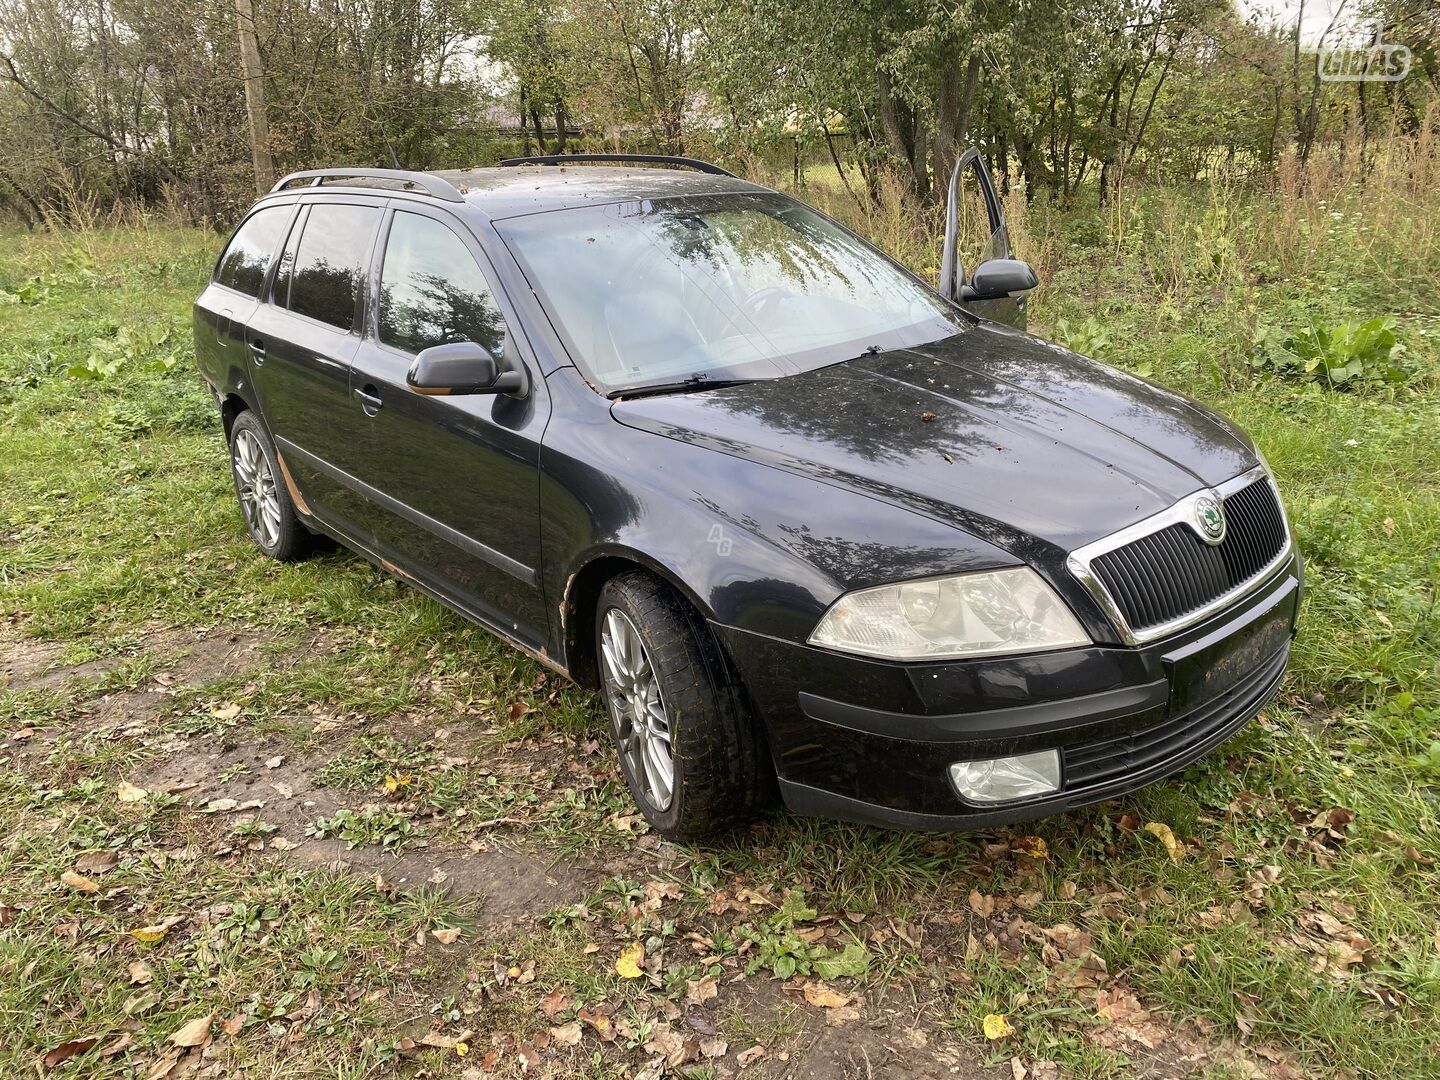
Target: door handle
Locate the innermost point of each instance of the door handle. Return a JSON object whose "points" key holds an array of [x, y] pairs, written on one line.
{"points": [[257, 350], [369, 396]]}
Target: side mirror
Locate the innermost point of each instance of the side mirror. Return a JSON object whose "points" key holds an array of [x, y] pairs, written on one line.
{"points": [[996, 279], [463, 367]]}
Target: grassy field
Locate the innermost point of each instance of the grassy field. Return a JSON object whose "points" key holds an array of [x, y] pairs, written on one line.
{"points": [[269, 820]]}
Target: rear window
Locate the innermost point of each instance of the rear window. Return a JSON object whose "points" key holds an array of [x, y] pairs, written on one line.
{"points": [[329, 269], [245, 261]]}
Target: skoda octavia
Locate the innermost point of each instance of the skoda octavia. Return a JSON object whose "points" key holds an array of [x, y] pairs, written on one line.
{"points": [[806, 522]]}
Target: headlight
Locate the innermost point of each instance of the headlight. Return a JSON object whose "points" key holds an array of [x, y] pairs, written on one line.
{"points": [[984, 614]]}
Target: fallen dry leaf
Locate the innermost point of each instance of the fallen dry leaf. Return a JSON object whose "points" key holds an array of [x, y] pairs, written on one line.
{"points": [[117, 1045], [566, 1034], [627, 823], [824, 997], [275, 762], [156, 931], [228, 711], [982, 905], [79, 883], [600, 1021], [713, 1048], [139, 972], [194, 1033], [1166, 836], [445, 1042], [448, 936], [69, 1049], [700, 991], [996, 1026], [1119, 1004], [1034, 846], [554, 1002], [97, 862], [627, 966], [746, 1058], [128, 792], [165, 1064]]}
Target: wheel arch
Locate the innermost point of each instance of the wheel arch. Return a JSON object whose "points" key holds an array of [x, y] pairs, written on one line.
{"points": [[231, 406], [582, 597]]}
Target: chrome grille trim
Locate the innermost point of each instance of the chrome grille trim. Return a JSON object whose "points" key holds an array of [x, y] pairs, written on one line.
{"points": [[1182, 512]]}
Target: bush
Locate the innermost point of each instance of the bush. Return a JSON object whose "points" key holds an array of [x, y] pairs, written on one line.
{"points": [[1089, 338], [155, 347], [1342, 356]]}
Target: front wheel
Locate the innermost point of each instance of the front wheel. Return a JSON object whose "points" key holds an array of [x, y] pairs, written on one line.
{"points": [[264, 501], [685, 740]]}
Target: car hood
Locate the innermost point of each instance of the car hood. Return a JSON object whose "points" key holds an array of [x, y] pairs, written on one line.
{"points": [[1003, 434]]}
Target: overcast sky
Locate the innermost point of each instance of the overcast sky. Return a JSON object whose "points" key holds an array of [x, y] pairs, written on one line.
{"points": [[1318, 14]]}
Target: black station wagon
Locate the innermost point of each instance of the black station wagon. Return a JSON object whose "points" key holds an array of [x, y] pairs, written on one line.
{"points": [[806, 522]]}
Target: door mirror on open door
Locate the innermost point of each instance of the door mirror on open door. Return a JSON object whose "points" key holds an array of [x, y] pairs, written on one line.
{"points": [[463, 367], [995, 279], [975, 223]]}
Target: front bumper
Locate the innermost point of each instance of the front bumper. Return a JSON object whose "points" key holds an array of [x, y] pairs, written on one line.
{"points": [[872, 741]]}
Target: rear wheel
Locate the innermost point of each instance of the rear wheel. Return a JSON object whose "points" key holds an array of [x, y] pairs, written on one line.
{"points": [[686, 744], [264, 500]]}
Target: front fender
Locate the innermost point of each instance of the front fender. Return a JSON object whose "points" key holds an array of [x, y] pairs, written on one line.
{"points": [[752, 546]]}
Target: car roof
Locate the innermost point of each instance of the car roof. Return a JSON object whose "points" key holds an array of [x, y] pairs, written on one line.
{"points": [[532, 189]]}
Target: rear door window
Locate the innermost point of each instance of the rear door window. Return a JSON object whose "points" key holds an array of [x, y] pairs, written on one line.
{"points": [[328, 274], [245, 261], [432, 292]]}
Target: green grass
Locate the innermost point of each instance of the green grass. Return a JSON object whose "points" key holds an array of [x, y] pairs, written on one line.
{"points": [[119, 538]]}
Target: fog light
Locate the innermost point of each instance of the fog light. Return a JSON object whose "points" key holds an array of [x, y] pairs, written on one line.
{"points": [[1005, 779]]}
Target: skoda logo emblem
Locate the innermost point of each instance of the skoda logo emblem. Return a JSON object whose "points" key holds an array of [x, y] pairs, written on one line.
{"points": [[1209, 519]]}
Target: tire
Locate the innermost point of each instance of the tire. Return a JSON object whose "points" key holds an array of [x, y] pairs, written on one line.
{"points": [[717, 765], [264, 499]]}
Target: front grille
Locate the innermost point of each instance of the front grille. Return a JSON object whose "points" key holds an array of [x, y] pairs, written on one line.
{"points": [[1187, 735], [1172, 572]]}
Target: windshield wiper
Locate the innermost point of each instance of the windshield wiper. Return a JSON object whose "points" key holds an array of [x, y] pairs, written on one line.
{"points": [[680, 386]]}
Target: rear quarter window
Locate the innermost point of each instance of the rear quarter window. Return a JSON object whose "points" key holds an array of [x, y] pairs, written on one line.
{"points": [[330, 262], [245, 261]]}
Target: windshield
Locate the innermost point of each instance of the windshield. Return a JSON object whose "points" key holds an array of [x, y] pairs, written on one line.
{"points": [[719, 286]]}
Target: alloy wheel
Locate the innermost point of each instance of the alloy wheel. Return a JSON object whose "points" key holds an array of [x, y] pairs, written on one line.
{"points": [[255, 485], [637, 711]]}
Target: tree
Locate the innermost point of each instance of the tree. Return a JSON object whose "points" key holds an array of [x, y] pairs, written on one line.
{"points": [[255, 95]]}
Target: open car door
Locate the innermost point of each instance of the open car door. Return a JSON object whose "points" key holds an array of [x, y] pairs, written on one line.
{"points": [[999, 285]]}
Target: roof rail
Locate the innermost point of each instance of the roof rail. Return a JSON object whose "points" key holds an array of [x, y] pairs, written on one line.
{"points": [[646, 159], [427, 182]]}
